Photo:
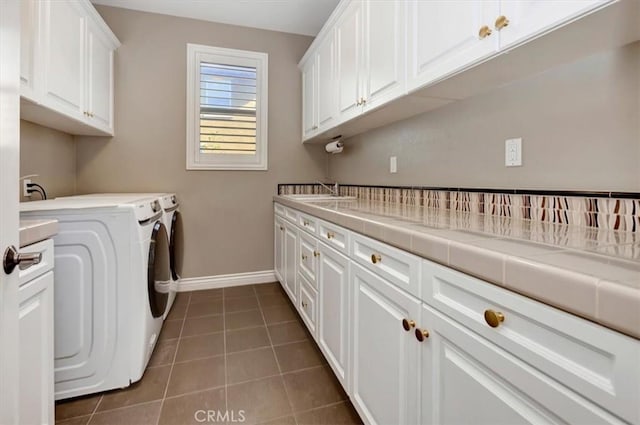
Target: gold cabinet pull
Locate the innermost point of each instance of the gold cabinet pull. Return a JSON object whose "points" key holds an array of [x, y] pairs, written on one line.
{"points": [[330, 235], [376, 258], [421, 334], [408, 324], [501, 22], [316, 253], [484, 32], [304, 257], [493, 318], [304, 304]]}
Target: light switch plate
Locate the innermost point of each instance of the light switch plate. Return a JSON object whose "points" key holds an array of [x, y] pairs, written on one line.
{"points": [[513, 152], [393, 164]]}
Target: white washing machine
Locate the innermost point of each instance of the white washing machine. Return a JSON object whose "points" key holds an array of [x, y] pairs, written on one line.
{"points": [[172, 220], [110, 289]]}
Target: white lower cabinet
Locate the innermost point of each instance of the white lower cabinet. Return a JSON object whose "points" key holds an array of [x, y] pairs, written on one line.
{"points": [[416, 342], [35, 318], [385, 355], [333, 312], [278, 248]]}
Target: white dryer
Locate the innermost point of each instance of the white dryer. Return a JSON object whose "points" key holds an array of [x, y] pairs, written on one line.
{"points": [[172, 220], [110, 289]]}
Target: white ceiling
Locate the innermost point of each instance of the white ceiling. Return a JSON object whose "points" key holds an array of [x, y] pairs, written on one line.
{"points": [[294, 16]]}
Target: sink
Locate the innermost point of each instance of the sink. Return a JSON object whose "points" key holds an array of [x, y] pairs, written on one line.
{"points": [[319, 197]]}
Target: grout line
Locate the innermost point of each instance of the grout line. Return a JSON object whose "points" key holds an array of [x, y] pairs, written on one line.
{"points": [[95, 409], [224, 352], [335, 403], [175, 355], [284, 385]]}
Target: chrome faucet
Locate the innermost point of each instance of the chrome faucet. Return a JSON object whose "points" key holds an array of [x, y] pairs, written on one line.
{"points": [[334, 190]]}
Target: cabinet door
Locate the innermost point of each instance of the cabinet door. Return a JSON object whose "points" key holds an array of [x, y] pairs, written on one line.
{"points": [[385, 356], [444, 37], [307, 257], [326, 89], [36, 351], [290, 262], [333, 307], [99, 79], [530, 17], [63, 57], [278, 248], [384, 45], [349, 52], [309, 115], [465, 379], [28, 42]]}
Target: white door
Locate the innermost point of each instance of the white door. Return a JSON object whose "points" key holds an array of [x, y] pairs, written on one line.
{"points": [[9, 160], [526, 18], [333, 310], [444, 37], [278, 248], [349, 61], [290, 262], [63, 50], [309, 121], [36, 351], [100, 79], [326, 89], [385, 356], [385, 48], [458, 368]]}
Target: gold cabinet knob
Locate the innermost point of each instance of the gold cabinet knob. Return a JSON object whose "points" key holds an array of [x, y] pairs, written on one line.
{"points": [[376, 258], [316, 253], [86, 113], [422, 334], [304, 257], [281, 227], [493, 318], [315, 127], [408, 324], [306, 223], [484, 32], [501, 22], [330, 235], [304, 304]]}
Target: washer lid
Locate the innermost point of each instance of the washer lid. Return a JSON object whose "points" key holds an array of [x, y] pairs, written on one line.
{"points": [[143, 208]]}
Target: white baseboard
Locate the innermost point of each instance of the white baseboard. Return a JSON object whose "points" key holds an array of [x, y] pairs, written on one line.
{"points": [[226, 280]]}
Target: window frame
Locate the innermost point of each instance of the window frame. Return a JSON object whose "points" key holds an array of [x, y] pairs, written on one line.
{"points": [[197, 53]]}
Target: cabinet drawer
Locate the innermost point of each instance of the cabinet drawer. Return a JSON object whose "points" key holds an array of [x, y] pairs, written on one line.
{"points": [[279, 209], [595, 362], [291, 215], [308, 223], [397, 266], [46, 248], [334, 236], [308, 305], [307, 257]]}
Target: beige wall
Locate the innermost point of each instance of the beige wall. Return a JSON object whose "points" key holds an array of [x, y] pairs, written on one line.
{"points": [[52, 155], [228, 214], [579, 124]]}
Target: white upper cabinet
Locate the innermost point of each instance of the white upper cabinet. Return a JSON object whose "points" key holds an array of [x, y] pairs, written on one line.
{"points": [[445, 37], [349, 61], [384, 52], [519, 20], [63, 37], [67, 67], [100, 76], [309, 99], [326, 88], [28, 40]]}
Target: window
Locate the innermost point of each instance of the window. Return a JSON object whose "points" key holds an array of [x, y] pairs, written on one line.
{"points": [[226, 109]]}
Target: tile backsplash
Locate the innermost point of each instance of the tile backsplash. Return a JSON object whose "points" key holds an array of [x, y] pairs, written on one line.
{"points": [[603, 211]]}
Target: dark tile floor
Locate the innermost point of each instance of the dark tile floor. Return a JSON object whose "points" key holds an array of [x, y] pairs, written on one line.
{"points": [[241, 350]]}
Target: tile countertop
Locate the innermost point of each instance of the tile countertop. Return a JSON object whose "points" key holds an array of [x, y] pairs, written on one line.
{"points": [[590, 272], [32, 231]]}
